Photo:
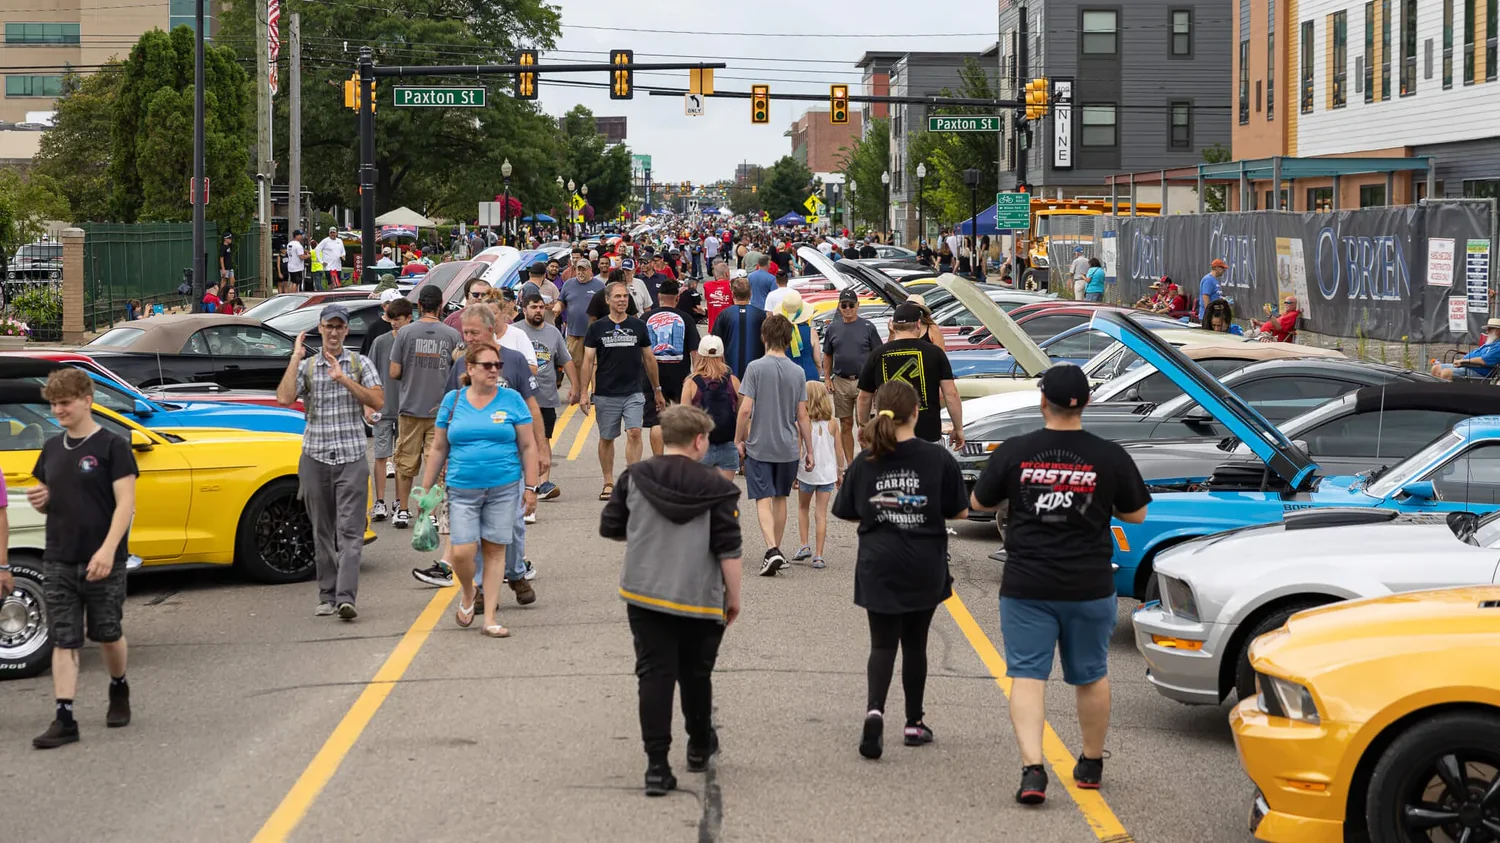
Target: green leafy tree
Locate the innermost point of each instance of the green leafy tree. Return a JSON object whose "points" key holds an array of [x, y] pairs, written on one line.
{"points": [[784, 186], [862, 165], [30, 203], [948, 154], [744, 200], [1216, 197], [75, 153]]}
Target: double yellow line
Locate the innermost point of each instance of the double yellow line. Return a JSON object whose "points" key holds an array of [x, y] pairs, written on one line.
{"points": [[581, 436]]}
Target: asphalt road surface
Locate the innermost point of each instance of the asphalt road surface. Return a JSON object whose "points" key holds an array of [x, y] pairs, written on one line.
{"points": [[256, 720]]}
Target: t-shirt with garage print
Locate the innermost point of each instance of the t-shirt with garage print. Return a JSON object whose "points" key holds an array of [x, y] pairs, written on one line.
{"points": [[1063, 487], [80, 475]]}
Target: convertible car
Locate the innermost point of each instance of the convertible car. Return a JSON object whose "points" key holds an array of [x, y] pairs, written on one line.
{"points": [[231, 351]]}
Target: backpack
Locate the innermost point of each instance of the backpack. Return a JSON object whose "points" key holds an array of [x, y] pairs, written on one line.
{"points": [[356, 371], [721, 402]]}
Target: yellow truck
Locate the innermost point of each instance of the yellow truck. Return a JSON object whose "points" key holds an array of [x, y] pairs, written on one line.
{"points": [[1055, 231]]}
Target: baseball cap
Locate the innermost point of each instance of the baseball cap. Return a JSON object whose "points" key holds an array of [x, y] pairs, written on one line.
{"points": [[906, 313], [537, 268], [711, 346], [628, 263], [334, 311], [1218, 264], [739, 273], [390, 295], [385, 250], [1077, 250], [848, 295], [1065, 385], [669, 287]]}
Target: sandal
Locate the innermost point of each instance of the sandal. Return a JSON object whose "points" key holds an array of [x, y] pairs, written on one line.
{"points": [[465, 617], [817, 562], [607, 492], [496, 631]]}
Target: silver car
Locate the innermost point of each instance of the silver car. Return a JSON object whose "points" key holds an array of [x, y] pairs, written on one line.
{"points": [[1221, 592]]}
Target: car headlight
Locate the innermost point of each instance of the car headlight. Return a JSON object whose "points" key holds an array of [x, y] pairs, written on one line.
{"points": [[1039, 261], [978, 449], [1281, 698], [1177, 597]]}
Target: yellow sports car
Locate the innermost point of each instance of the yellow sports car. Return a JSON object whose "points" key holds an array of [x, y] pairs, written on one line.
{"points": [[1377, 720]]}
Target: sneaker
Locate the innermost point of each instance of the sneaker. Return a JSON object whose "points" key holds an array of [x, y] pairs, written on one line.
{"points": [[530, 570], [440, 574], [377, 512], [347, 611], [57, 734], [697, 759], [802, 553], [530, 518], [1088, 771], [659, 779], [773, 562], [390, 469], [119, 706], [548, 491], [918, 734], [324, 609], [1033, 789], [525, 594], [872, 740], [401, 520]]}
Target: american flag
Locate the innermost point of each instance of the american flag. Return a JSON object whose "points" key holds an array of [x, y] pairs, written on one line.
{"points": [[273, 38]]}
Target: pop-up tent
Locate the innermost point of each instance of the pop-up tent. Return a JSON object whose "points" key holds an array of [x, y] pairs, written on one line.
{"points": [[986, 224], [404, 216], [539, 218], [792, 219]]}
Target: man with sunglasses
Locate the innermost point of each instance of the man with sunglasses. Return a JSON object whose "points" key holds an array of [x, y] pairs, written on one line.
{"points": [[1283, 326], [847, 343], [476, 290]]}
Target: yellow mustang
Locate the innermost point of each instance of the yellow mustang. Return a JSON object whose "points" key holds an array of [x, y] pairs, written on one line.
{"points": [[1377, 720]]}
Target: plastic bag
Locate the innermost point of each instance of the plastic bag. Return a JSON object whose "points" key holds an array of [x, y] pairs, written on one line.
{"points": [[424, 534]]}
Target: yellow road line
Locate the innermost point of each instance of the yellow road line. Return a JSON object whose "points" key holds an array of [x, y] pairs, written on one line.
{"points": [[1101, 819], [562, 423], [295, 805], [583, 436]]}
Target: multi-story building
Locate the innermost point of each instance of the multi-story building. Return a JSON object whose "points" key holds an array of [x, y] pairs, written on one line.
{"points": [[819, 143], [1368, 78], [876, 82]]}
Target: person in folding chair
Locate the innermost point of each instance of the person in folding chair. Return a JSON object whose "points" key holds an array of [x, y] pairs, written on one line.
{"points": [[1480, 363]]}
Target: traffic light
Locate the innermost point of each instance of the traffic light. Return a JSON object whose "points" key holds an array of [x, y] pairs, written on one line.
{"points": [[1036, 99], [621, 81], [760, 103], [838, 111], [352, 93], [526, 80]]}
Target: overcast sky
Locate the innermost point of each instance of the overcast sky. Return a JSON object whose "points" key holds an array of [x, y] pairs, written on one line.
{"points": [[705, 149]]}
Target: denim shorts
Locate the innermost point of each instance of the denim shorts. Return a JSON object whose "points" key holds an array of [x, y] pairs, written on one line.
{"points": [[1079, 629], [610, 411], [78, 607], [723, 456], [385, 438], [484, 514], [768, 479], [809, 488]]}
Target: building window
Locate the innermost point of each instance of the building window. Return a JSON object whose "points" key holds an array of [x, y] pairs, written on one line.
{"points": [[1100, 32], [33, 86], [1469, 42], [1271, 75], [1244, 81], [1182, 33], [1371, 195], [1307, 67], [41, 33], [1447, 44], [1340, 70], [1320, 199], [1099, 125], [1385, 49], [1482, 188], [1369, 69], [1182, 125], [1409, 48], [1491, 40]]}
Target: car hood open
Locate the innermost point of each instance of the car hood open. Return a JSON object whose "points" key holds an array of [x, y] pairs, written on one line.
{"points": [[1265, 439], [1028, 354], [880, 283]]}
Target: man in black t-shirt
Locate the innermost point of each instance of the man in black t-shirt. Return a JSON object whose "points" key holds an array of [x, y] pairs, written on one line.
{"points": [[86, 487], [617, 359], [1057, 593], [910, 358]]}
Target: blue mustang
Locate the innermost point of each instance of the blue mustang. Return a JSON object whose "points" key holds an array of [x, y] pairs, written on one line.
{"points": [[1077, 345], [1458, 471]]}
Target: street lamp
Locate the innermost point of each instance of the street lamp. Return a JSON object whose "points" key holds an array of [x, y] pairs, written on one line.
{"points": [[565, 201], [885, 179], [921, 185], [585, 191], [505, 170], [572, 220], [971, 178], [834, 190]]}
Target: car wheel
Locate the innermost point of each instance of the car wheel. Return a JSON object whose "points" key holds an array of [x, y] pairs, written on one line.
{"points": [[1439, 776], [274, 543], [25, 639], [1244, 675]]}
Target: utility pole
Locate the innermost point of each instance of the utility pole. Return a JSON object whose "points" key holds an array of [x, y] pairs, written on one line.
{"points": [[294, 155], [367, 162], [198, 163], [265, 169]]}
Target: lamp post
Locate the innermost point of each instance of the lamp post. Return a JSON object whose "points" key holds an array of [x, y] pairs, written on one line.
{"points": [[885, 179], [565, 201], [505, 171], [834, 190], [585, 191], [921, 189], [971, 178], [572, 220]]}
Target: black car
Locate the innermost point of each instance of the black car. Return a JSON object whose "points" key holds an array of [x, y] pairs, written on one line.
{"points": [[231, 351], [363, 314]]}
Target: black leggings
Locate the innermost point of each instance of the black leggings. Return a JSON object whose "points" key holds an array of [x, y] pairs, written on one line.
{"points": [[909, 631]]}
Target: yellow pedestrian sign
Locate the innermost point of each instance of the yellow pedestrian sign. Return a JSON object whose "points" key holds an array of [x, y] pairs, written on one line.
{"points": [[814, 205], [577, 202]]}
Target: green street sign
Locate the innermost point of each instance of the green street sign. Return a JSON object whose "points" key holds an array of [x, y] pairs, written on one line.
{"points": [[963, 124], [1013, 210], [440, 97]]}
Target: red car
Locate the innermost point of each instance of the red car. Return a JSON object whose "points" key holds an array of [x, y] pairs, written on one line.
{"points": [[176, 392]]}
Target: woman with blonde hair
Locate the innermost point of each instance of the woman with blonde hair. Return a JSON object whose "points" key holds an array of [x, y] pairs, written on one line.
{"points": [[714, 389], [816, 485]]}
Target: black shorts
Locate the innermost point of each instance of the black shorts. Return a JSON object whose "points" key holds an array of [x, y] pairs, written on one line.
{"points": [[649, 416], [300, 281], [549, 420], [75, 604]]}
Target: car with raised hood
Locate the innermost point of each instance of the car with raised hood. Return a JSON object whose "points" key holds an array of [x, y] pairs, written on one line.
{"points": [[364, 314], [288, 302], [1077, 345], [871, 283], [1377, 720], [231, 351], [1458, 471]]}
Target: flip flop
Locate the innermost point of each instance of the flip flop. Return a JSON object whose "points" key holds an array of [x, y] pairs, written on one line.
{"points": [[496, 631], [459, 616], [607, 492]]}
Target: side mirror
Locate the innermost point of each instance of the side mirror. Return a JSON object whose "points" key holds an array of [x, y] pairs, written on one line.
{"points": [[1133, 394], [140, 441], [1198, 417], [965, 330], [142, 408], [1419, 490]]}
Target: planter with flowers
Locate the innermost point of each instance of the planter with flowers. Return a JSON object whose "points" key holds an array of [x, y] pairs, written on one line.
{"points": [[13, 334]]}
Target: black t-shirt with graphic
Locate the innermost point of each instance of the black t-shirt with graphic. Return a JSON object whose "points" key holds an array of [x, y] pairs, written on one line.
{"points": [[919, 363], [1063, 487], [81, 494], [901, 501], [618, 368]]}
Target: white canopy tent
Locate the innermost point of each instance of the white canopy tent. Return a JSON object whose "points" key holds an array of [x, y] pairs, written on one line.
{"points": [[404, 216]]}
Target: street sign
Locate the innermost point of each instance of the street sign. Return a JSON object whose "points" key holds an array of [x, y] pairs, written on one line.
{"points": [[1062, 124], [192, 190], [1013, 210], [441, 97], [812, 219], [692, 105], [578, 202], [813, 204], [489, 213], [963, 124]]}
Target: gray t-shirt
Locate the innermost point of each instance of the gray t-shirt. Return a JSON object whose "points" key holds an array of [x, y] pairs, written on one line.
{"points": [[425, 352], [850, 343], [1080, 267], [777, 385], [551, 353], [576, 296], [380, 355]]}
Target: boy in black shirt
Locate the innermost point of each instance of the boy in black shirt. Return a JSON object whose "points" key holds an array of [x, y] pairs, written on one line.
{"points": [[1057, 593], [86, 487]]}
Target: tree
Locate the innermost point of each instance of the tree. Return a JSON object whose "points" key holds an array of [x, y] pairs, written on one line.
{"points": [[1216, 198], [587, 160], [75, 153], [948, 154], [745, 200], [784, 186], [862, 165], [27, 204]]}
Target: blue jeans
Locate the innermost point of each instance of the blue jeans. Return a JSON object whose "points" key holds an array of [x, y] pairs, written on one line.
{"points": [[1093, 297], [515, 551]]}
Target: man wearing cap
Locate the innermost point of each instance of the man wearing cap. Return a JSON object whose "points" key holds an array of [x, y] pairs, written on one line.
{"points": [[640, 294], [381, 326], [420, 360], [1479, 363], [1210, 288], [296, 266], [717, 296], [762, 281], [334, 386], [674, 343], [386, 262], [331, 252], [1079, 269], [909, 357], [1057, 592], [848, 342]]}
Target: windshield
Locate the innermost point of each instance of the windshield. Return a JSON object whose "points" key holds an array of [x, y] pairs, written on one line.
{"points": [[1487, 531], [275, 306], [119, 337], [294, 323], [1043, 225], [1408, 470]]}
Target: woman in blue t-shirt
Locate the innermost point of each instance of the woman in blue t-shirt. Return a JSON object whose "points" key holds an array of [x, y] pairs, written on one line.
{"points": [[1093, 289], [484, 435]]}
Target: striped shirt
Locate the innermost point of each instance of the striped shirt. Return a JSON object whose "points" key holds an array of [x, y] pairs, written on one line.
{"points": [[335, 431]]}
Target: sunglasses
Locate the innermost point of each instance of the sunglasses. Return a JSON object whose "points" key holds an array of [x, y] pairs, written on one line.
{"points": [[488, 365], [477, 295], [847, 305]]}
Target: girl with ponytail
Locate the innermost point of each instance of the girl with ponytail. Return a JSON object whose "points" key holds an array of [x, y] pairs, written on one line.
{"points": [[900, 489]]}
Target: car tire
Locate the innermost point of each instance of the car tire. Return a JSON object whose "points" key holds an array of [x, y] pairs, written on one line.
{"points": [[25, 633], [274, 542], [1408, 772], [1244, 675]]}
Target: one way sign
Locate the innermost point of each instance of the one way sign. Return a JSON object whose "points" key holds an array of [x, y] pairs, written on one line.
{"points": [[692, 105]]}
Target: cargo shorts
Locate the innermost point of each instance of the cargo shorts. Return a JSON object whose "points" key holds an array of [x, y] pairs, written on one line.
{"points": [[76, 605]]}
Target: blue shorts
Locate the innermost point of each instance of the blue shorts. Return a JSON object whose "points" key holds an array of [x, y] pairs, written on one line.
{"points": [[809, 488], [768, 479], [723, 456], [1079, 629], [1093, 297], [487, 514], [611, 411]]}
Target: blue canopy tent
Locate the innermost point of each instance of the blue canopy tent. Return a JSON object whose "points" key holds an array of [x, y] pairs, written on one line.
{"points": [[792, 219], [708, 212], [986, 220], [538, 218]]}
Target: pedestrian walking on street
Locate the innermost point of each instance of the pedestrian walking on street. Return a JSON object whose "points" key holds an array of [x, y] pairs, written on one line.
{"points": [[420, 361], [85, 485], [331, 253], [617, 357], [226, 260], [773, 434], [901, 490], [680, 583], [674, 342], [848, 342], [715, 390], [1093, 286], [552, 357], [575, 296], [485, 440], [1057, 595], [334, 386], [909, 357], [804, 350], [739, 328], [1079, 269], [383, 427], [717, 296], [762, 281], [815, 486]]}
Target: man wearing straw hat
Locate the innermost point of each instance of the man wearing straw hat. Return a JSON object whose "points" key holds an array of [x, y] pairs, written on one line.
{"points": [[1479, 363]]}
